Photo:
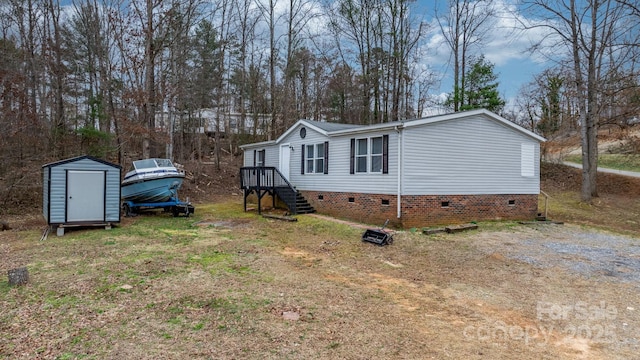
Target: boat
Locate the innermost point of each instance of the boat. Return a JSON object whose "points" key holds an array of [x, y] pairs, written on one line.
{"points": [[151, 181]]}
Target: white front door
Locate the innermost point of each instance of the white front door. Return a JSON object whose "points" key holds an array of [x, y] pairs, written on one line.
{"points": [[85, 195], [285, 159]]}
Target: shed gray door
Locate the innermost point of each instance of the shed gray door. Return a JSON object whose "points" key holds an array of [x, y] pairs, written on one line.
{"points": [[85, 195]]}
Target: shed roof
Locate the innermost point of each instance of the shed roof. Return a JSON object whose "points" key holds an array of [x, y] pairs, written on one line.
{"points": [[78, 158]]}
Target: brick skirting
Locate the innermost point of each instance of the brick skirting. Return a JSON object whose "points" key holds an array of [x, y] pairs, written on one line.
{"points": [[423, 210]]}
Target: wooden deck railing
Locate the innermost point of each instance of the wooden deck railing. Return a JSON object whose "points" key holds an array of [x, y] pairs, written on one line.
{"points": [[267, 180]]}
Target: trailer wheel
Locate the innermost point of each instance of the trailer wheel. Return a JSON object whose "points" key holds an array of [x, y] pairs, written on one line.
{"points": [[174, 211], [126, 210]]}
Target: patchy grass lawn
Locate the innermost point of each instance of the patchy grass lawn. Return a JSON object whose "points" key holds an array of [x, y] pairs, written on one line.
{"points": [[616, 213], [616, 208], [628, 162], [226, 284]]}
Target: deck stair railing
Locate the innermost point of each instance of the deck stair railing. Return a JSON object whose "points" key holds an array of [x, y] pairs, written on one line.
{"points": [[265, 180]]}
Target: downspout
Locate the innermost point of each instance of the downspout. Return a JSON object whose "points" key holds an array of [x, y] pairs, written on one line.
{"points": [[400, 149]]}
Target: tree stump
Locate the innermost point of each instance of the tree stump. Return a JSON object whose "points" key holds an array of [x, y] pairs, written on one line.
{"points": [[19, 276]]}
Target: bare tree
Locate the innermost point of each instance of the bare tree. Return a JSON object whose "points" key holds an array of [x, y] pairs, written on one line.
{"points": [[381, 35], [546, 105], [405, 34], [22, 83], [355, 21], [297, 17], [57, 75], [93, 84], [268, 11], [245, 20], [589, 31], [464, 27]]}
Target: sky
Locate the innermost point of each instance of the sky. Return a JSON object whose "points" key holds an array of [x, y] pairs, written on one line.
{"points": [[506, 47]]}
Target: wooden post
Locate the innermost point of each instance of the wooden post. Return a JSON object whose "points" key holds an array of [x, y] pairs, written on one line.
{"points": [[19, 276]]}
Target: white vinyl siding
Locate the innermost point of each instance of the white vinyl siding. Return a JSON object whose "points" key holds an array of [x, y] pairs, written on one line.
{"points": [[466, 157], [312, 139], [339, 178], [271, 156]]}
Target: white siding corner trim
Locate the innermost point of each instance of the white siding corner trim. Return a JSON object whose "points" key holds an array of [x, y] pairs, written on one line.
{"points": [[527, 160]]}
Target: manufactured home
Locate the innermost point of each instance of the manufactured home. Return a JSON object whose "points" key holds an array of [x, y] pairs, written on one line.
{"points": [[452, 168]]}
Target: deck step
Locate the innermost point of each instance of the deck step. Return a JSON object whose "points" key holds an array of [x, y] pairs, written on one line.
{"points": [[302, 205]]}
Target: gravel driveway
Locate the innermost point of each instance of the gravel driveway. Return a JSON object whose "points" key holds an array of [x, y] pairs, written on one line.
{"points": [[592, 254]]}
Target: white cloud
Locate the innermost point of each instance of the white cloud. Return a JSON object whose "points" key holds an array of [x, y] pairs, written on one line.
{"points": [[507, 45], [508, 39]]}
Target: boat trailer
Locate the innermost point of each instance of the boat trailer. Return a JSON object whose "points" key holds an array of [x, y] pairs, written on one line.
{"points": [[173, 205]]}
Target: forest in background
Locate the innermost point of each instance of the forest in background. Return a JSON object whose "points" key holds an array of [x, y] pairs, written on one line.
{"points": [[122, 80]]}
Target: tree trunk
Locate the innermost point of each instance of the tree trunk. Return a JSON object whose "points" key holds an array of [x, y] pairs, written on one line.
{"points": [[149, 106], [272, 69], [586, 94]]}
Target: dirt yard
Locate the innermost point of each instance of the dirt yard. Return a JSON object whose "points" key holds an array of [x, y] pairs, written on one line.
{"points": [[225, 284], [229, 285]]}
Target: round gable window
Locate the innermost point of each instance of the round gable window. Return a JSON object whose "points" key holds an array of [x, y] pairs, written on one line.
{"points": [[303, 132]]}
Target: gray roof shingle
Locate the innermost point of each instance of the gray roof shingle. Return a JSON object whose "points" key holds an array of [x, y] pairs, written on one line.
{"points": [[328, 127]]}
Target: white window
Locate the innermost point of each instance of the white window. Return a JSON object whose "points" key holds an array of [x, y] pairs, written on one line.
{"points": [[369, 151], [370, 155], [315, 160], [260, 157]]}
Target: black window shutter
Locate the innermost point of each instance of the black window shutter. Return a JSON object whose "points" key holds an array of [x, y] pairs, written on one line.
{"points": [[385, 154], [255, 154], [302, 156], [326, 157], [353, 156]]}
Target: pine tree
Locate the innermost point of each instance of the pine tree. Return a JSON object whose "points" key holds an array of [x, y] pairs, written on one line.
{"points": [[481, 88]]}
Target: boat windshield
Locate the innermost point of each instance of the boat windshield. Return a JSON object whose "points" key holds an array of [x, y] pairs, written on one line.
{"points": [[164, 163], [144, 164], [151, 163]]}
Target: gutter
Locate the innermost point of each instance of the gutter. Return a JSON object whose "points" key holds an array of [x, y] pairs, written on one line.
{"points": [[257, 145], [398, 129], [367, 128]]}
